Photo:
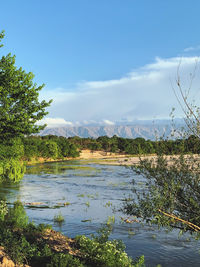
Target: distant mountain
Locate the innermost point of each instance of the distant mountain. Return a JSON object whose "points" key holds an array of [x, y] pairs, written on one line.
{"points": [[145, 130]]}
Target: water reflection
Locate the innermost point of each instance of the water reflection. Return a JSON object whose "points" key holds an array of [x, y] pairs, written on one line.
{"points": [[61, 168]]}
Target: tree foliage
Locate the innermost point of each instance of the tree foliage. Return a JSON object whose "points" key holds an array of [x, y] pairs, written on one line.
{"points": [[171, 195], [50, 146], [20, 108]]}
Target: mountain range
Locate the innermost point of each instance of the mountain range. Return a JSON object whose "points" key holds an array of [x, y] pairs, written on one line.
{"points": [[144, 129]]}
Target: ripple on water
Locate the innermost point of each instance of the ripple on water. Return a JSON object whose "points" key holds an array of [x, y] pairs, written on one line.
{"points": [[95, 192]]}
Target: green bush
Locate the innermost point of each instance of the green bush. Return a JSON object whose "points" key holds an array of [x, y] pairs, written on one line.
{"points": [[12, 148], [24, 244], [59, 218], [49, 149], [11, 169], [64, 260], [109, 254], [3, 210], [98, 251], [16, 216]]}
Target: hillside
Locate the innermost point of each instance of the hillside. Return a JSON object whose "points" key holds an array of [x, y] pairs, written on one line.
{"points": [[130, 131]]}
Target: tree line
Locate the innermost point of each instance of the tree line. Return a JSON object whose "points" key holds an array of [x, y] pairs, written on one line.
{"points": [[59, 147], [139, 146]]}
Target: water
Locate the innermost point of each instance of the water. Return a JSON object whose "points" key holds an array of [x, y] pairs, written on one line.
{"points": [[95, 193]]}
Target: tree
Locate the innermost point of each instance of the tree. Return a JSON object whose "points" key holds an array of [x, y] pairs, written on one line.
{"points": [[49, 149], [190, 109], [20, 108], [171, 194]]}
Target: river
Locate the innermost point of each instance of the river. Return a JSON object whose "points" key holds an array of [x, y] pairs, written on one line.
{"points": [[87, 195]]}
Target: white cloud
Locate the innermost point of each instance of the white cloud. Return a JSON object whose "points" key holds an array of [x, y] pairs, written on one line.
{"points": [[55, 122], [144, 93], [192, 48], [108, 122]]}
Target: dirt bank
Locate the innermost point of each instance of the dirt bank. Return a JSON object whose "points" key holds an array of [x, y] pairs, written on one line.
{"points": [[103, 157]]}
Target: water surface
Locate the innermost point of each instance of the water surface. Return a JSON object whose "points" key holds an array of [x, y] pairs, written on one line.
{"points": [[88, 195]]}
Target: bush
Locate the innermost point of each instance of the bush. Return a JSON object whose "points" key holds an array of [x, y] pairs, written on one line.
{"points": [[12, 148], [16, 216], [24, 243], [64, 260], [49, 149], [170, 197], [11, 169], [3, 210], [99, 251]]}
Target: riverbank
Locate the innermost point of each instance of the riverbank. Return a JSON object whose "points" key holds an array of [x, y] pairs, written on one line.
{"points": [[85, 154], [103, 157]]}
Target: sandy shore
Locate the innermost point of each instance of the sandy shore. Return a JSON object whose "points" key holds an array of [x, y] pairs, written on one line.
{"points": [[102, 157], [123, 159], [112, 158]]}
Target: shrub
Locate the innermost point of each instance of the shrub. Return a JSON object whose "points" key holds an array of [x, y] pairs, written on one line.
{"points": [[99, 251], [59, 218], [11, 169]]}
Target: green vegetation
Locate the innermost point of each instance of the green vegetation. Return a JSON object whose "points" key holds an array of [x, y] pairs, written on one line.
{"points": [[139, 146], [20, 109], [48, 147], [11, 169], [22, 241], [100, 251], [87, 204], [171, 195], [59, 218], [60, 147], [26, 243]]}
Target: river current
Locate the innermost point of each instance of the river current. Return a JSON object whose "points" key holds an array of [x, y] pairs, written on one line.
{"points": [[89, 194]]}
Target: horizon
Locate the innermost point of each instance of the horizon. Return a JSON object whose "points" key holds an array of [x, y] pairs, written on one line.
{"points": [[51, 123]]}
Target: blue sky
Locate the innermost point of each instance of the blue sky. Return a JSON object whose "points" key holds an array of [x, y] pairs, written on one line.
{"points": [[104, 60]]}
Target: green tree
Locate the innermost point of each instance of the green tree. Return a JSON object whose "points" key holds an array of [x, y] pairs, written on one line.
{"points": [[20, 108], [171, 195], [49, 149]]}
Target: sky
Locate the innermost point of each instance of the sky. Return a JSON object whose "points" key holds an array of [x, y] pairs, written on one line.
{"points": [[104, 61]]}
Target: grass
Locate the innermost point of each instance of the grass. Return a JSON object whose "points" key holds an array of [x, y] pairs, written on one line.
{"points": [[110, 220], [131, 232], [80, 195], [87, 204], [58, 218], [108, 204]]}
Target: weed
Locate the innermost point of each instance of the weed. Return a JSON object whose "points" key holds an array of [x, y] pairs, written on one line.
{"points": [[153, 236], [80, 195], [108, 204], [87, 204], [111, 220], [90, 196], [88, 220], [59, 218], [131, 232]]}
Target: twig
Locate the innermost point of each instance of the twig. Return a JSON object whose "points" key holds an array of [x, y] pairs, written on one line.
{"points": [[191, 225]]}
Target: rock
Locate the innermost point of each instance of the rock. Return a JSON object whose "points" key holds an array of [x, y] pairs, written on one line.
{"points": [[5, 260]]}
